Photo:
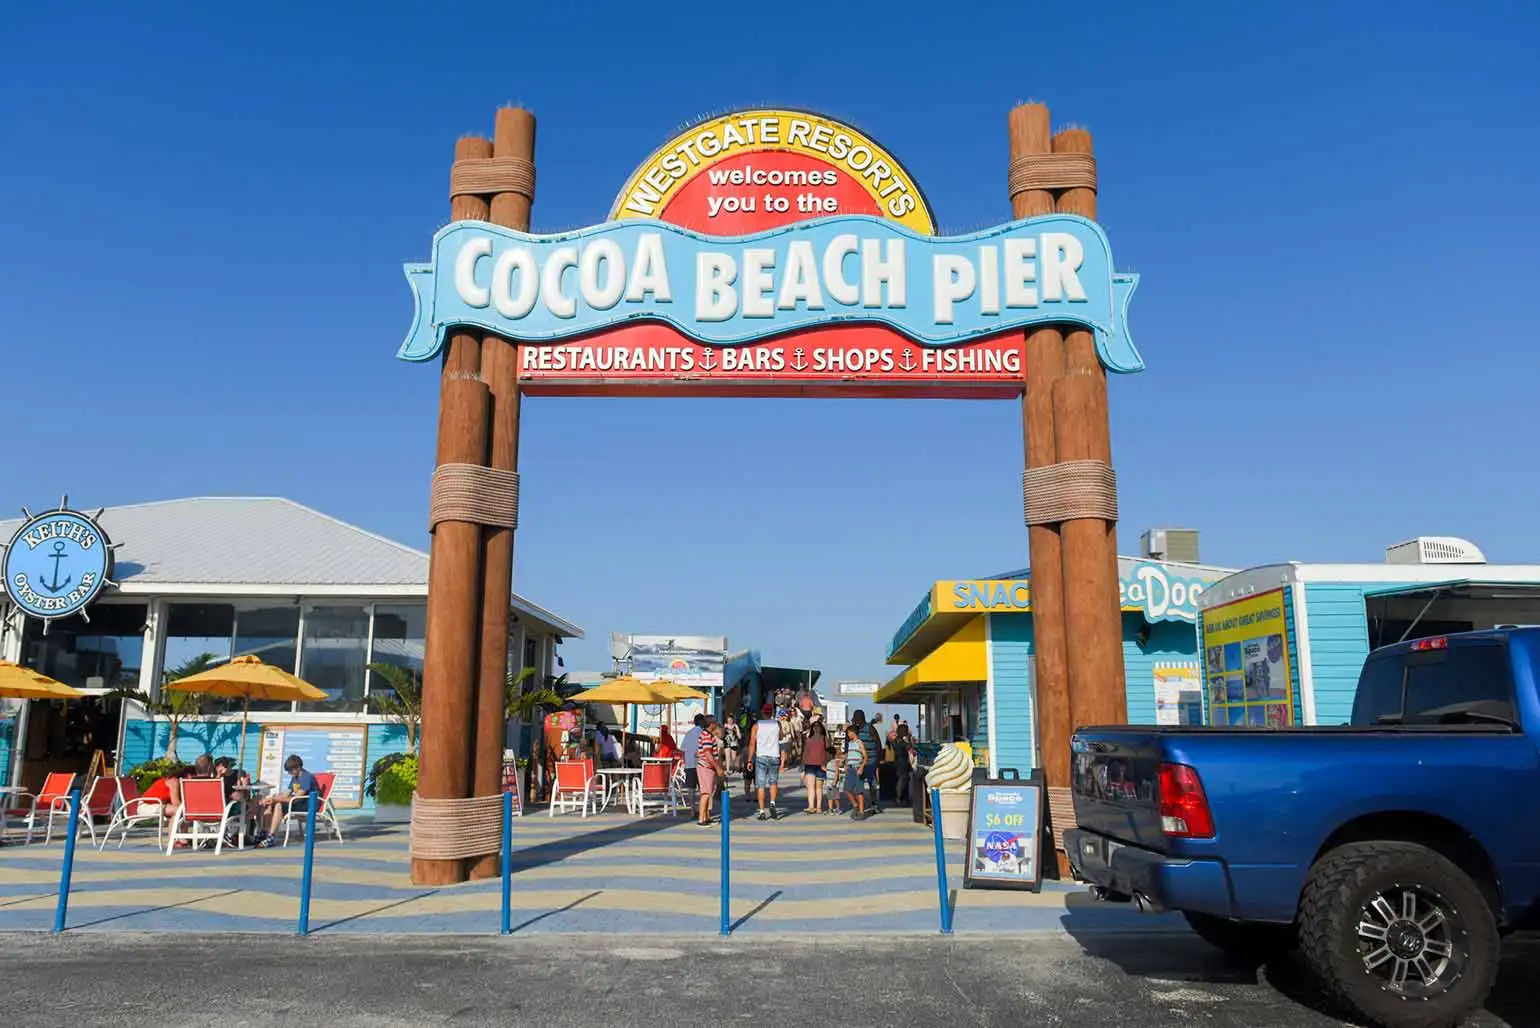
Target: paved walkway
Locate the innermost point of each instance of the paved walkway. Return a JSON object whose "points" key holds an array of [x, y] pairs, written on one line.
{"points": [[610, 873]]}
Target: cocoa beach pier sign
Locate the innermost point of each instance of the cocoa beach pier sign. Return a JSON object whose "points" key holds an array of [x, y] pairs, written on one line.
{"points": [[773, 253]]}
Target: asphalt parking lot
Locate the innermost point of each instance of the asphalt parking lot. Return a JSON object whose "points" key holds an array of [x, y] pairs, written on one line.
{"points": [[556, 981]]}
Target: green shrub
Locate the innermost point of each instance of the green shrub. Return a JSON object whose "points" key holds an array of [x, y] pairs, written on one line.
{"points": [[146, 774], [394, 784]]}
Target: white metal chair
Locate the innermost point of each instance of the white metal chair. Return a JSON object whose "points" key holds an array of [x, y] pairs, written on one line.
{"points": [[325, 814], [134, 811]]}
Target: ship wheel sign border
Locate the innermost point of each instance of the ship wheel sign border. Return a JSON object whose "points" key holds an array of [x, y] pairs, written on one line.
{"points": [[21, 591]]}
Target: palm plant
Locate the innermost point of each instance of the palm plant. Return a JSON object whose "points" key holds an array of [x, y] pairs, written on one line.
{"points": [[525, 703], [403, 704], [172, 704]]}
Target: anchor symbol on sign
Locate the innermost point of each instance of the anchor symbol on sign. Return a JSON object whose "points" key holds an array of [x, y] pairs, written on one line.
{"points": [[708, 360], [907, 362], [56, 556], [798, 360]]}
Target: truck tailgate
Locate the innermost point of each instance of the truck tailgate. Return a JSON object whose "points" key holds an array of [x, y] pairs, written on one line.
{"points": [[1115, 776]]}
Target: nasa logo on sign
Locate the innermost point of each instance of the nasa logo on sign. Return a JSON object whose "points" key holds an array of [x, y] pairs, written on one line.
{"points": [[57, 563]]}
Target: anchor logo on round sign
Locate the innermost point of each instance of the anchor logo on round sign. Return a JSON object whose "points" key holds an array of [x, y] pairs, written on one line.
{"points": [[58, 563]]}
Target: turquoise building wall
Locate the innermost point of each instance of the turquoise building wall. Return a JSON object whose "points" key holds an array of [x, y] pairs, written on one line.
{"points": [[1010, 662], [143, 741], [1015, 714], [1339, 643]]}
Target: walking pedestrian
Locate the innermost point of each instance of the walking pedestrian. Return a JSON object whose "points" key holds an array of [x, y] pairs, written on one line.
{"points": [[871, 748], [769, 761], [708, 768], [732, 744], [855, 781], [815, 754], [903, 762]]}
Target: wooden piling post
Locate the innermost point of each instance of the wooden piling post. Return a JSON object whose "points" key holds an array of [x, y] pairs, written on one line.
{"points": [[1092, 611], [1029, 135], [454, 576], [513, 139]]}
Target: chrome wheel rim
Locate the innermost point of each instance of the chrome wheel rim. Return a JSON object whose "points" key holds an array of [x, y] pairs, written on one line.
{"points": [[1411, 939]]}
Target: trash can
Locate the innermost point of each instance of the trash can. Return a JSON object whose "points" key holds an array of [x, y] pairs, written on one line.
{"points": [[887, 783], [917, 794]]}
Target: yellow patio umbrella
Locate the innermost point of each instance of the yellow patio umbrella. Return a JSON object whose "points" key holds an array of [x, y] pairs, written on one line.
{"points": [[631, 690], [23, 683], [248, 679]]}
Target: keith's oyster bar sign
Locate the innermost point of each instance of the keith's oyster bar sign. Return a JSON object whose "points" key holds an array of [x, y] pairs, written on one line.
{"points": [[773, 253]]}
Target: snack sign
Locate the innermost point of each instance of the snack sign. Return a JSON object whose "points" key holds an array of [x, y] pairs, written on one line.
{"points": [[772, 253]]}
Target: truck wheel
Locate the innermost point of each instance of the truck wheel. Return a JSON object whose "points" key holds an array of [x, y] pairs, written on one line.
{"points": [[1250, 941], [1397, 933]]}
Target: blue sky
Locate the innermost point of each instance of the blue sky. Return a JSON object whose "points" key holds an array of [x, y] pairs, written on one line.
{"points": [[1331, 205]]}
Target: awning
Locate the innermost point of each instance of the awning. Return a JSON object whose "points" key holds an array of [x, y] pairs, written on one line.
{"points": [[1460, 588], [961, 660]]}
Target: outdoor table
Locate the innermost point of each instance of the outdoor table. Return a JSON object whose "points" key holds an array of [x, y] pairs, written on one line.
{"points": [[253, 791], [624, 779]]}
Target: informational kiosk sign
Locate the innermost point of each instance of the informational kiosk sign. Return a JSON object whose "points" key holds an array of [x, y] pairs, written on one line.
{"points": [[1005, 819], [335, 748]]}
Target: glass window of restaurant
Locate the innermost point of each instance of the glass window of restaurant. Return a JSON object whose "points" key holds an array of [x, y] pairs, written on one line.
{"points": [[333, 644], [334, 655], [397, 640], [99, 655]]}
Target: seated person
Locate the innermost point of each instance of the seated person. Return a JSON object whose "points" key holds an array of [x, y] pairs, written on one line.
{"points": [[167, 791], [235, 783], [301, 784]]}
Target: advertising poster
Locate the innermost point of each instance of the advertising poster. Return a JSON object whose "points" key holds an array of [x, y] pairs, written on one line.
{"points": [[697, 661], [1246, 663], [1004, 836], [1178, 693]]}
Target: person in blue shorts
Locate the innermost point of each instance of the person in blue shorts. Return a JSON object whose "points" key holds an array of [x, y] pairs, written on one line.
{"points": [[855, 784], [769, 760]]}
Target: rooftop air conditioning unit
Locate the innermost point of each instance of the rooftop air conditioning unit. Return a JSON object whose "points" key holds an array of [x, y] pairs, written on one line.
{"points": [[1434, 549]]}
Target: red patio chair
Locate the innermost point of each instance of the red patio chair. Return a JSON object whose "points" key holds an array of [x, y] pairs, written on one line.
{"points": [[99, 801], [574, 786], [53, 799], [325, 813], [134, 811], [203, 810], [658, 788]]}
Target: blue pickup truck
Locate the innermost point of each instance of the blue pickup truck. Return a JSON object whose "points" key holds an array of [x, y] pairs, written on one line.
{"points": [[1394, 851]]}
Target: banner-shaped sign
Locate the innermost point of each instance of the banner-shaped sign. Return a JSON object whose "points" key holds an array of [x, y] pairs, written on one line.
{"points": [[735, 291]]}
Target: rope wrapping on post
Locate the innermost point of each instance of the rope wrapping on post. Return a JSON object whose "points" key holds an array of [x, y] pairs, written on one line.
{"points": [[474, 494], [483, 176], [456, 829], [1052, 171], [1069, 491], [1061, 814]]}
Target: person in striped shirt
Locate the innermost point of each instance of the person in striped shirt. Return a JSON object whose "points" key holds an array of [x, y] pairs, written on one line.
{"points": [[708, 767]]}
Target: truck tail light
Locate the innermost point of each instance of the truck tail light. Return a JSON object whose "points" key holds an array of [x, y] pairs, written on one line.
{"points": [[1184, 810], [1437, 642]]}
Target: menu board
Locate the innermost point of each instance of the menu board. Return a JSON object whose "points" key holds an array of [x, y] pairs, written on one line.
{"points": [[1005, 820], [1246, 662], [335, 748]]}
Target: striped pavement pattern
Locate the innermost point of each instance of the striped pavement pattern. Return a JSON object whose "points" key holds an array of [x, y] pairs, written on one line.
{"points": [[608, 873]]}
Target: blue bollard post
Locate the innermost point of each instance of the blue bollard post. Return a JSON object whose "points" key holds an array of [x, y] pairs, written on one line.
{"points": [[941, 883], [727, 909], [304, 885], [507, 863], [62, 910]]}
